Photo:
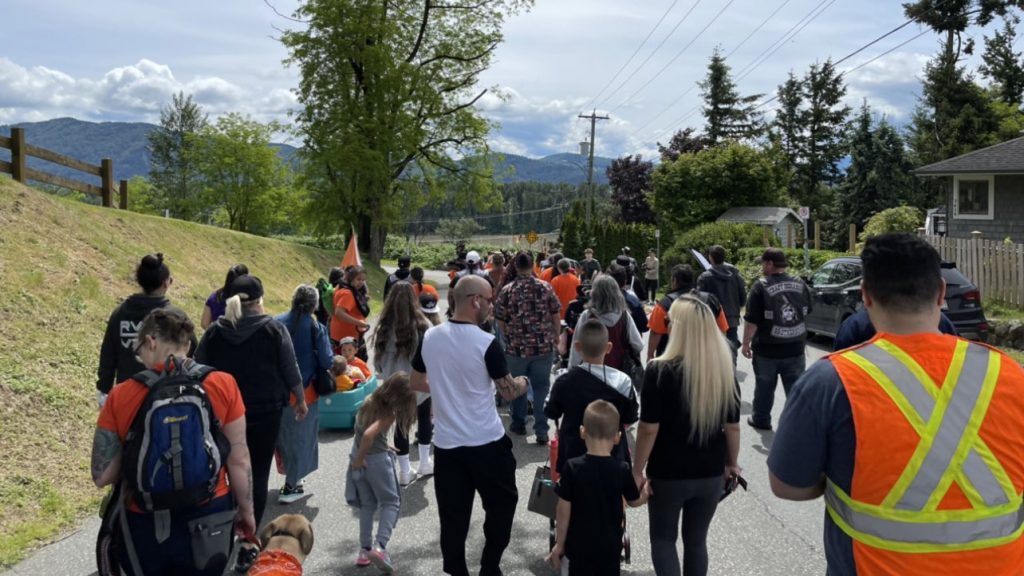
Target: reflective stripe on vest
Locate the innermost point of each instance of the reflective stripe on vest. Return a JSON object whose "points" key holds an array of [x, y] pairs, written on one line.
{"points": [[948, 420]]}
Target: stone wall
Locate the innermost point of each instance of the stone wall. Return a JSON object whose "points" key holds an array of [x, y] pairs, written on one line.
{"points": [[1006, 333]]}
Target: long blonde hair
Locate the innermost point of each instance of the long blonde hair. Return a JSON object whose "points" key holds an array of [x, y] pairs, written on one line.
{"points": [[708, 374], [394, 398]]}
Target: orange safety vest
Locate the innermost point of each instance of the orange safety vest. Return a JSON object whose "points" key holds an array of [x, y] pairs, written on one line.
{"points": [[938, 472]]}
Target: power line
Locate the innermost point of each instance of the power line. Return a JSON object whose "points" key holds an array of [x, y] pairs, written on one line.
{"points": [[886, 53], [633, 55], [491, 216], [692, 86], [760, 60], [653, 52], [678, 54]]}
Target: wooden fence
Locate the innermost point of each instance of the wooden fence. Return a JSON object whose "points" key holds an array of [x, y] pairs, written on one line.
{"points": [[996, 267], [17, 167]]}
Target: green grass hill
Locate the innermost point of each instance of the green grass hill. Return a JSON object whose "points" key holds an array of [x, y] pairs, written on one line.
{"points": [[64, 266]]}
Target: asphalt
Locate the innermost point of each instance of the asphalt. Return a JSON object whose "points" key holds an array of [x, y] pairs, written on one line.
{"points": [[753, 532]]}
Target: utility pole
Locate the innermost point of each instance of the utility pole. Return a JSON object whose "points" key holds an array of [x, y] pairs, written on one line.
{"points": [[593, 117]]}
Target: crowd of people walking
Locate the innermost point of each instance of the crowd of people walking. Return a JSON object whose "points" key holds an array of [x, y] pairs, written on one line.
{"points": [[189, 435]]}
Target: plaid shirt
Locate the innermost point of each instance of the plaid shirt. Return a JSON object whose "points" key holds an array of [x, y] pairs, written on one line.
{"points": [[526, 306]]}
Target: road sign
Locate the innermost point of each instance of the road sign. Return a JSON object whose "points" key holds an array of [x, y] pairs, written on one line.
{"points": [[531, 237], [805, 212], [657, 232]]}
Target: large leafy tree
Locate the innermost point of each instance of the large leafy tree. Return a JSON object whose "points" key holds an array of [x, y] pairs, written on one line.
{"points": [[172, 171], [245, 184], [728, 116], [388, 92], [1002, 65], [698, 188], [630, 180], [685, 141]]}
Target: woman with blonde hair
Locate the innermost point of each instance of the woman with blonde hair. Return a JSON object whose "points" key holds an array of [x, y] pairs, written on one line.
{"points": [[397, 335], [689, 436]]}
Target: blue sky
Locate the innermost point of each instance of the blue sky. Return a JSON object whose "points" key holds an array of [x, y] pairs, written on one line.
{"points": [[122, 59]]}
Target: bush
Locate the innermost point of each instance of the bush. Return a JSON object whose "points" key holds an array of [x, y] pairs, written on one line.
{"points": [[748, 261], [733, 237], [901, 219], [607, 239], [428, 256]]}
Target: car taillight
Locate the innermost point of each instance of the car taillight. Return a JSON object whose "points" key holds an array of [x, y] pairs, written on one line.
{"points": [[983, 327], [972, 299]]}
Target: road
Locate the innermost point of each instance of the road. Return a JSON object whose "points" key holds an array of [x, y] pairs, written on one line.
{"points": [[753, 533]]}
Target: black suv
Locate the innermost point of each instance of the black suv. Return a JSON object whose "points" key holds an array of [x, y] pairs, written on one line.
{"points": [[835, 288]]}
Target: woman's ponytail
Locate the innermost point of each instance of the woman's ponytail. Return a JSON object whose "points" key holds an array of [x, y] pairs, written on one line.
{"points": [[233, 309]]}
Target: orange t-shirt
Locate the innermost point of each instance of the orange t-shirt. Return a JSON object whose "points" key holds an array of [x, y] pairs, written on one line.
{"points": [[565, 286], [344, 383], [126, 399], [358, 363], [420, 289], [658, 322], [345, 300], [547, 274]]}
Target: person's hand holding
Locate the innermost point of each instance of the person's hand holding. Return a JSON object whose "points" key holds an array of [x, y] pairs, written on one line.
{"points": [[245, 523], [732, 471], [301, 409], [358, 463], [640, 479], [747, 353], [555, 557], [101, 398]]}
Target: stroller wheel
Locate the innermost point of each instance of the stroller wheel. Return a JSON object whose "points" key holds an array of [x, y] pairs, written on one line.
{"points": [[626, 552]]}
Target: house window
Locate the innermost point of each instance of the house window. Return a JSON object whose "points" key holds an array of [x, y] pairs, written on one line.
{"points": [[974, 197]]}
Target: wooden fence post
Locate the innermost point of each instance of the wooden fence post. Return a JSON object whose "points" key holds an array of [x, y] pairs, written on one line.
{"points": [[18, 155], [764, 236], [817, 235], [123, 204], [853, 238], [789, 236], [107, 173]]}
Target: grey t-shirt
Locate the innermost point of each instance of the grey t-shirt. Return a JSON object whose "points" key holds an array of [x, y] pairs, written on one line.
{"points": [[815, 436], [380, 443]]}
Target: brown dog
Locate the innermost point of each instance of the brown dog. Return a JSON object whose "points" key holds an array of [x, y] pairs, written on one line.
{"points": [[285, 542]]}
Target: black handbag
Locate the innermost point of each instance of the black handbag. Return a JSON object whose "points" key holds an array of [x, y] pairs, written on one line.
{"points": [[634, 368], [323, 381], [543, 499]]}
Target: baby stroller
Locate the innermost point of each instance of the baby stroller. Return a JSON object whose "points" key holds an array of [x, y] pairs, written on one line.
{"points": [[552, 470]]}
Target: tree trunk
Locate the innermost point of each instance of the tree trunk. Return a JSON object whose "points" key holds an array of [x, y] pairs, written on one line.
{"points": [[372, 237]]}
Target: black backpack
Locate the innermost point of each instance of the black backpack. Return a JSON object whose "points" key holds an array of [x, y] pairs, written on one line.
{"points": [[785, 306], [175, 447]]}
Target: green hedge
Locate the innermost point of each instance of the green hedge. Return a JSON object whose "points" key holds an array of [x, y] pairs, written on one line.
{"points": [[607, 238], [428, 256], [732, 237], [748, 261]]}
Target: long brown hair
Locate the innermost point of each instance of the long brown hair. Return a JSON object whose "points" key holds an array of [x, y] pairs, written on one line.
{"points": [[392, 399], [402, 319]]}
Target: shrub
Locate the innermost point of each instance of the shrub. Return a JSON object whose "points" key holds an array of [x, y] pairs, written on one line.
{"points": [[748, 262], [732, 237], [428, 256], [608, 238], [900, 219]]}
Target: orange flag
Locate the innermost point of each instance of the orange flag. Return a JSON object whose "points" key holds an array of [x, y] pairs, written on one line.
{"points": [[351, 257]]}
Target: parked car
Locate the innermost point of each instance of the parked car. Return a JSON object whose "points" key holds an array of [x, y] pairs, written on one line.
{"points": [[835, 288]]}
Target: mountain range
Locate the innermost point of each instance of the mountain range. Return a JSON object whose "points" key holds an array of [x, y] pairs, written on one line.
{"points": [[126, 144]]}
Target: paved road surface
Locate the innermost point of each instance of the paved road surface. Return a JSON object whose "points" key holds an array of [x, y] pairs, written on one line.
{"points": [[753, 533]]}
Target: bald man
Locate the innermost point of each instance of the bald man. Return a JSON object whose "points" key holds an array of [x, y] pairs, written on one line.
{"points": [[471, 451]]}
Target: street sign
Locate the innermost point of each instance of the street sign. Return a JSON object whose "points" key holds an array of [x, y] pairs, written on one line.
{"points": [[805, 212], [531, 237], [657, 232]]}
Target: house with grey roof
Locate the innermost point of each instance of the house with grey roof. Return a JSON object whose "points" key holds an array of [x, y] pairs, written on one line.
{"points": [[785, 223], [984, 191]]}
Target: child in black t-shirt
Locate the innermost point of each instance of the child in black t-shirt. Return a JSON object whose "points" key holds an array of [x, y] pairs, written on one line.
{"points": [[590, 514]]}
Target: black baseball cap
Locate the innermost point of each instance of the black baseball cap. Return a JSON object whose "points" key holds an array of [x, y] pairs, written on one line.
{"points": [[247, 287]]}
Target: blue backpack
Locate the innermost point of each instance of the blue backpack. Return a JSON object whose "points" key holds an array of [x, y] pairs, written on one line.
{"points": [[175, 447]]}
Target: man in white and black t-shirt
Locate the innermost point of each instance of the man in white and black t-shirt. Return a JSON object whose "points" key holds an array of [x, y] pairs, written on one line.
{"points": [[471, 451]]}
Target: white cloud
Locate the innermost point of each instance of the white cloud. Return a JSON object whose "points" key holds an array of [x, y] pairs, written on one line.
{"points": [[133, 92]]}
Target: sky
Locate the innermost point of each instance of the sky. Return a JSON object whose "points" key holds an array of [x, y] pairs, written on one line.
{"points": [[121, 60]]}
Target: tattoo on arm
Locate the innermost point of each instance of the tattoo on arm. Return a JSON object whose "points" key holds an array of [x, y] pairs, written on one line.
{"points": [[105, 448]]}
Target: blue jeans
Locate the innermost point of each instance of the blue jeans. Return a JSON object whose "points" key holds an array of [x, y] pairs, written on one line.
{"points": [[538, 370], [767, 372]]}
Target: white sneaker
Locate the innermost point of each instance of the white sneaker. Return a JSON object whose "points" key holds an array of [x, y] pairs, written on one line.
{"points": [[406, 478], [426, 467]]}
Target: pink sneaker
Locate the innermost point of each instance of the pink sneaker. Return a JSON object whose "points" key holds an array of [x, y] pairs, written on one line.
{"points": [[363, 558], [382, 560]]}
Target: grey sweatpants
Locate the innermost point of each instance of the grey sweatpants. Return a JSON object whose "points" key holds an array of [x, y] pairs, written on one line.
{"points": [[377, 491], [694, 500]]}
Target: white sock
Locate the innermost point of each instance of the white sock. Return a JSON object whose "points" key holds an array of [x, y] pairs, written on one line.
{"points": [[403, 464], [424, 453]]}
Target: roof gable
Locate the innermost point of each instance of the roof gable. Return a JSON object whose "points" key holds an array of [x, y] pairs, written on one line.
{"points": [[1004, 158], [757, 215]]}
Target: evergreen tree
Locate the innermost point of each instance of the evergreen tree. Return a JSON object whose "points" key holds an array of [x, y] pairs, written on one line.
{"points": [[822, 147], [683, 142], [173, 172], [878, 176], [729, 116], [630, 179], [1002, 65], [788, 126]]}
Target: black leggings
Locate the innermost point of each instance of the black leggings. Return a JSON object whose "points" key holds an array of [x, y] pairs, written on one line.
{"points": [[261, 430], [424, 429]]}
